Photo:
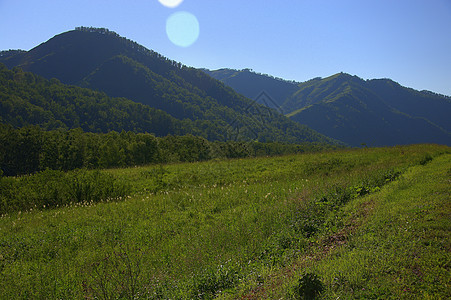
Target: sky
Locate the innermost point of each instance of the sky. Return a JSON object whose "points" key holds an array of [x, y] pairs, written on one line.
{"points": [[408, 41]]}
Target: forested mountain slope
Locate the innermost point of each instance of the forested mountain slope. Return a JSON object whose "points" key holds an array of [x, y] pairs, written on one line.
{"points": [[28, 99], [102, 60], [375, 112]]}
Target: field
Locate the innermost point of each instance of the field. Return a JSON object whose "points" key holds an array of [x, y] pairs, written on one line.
{"points": [[368, 223]]}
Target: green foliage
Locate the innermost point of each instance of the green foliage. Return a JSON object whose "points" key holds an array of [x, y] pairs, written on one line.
{"points": [[314, 216], [400, 252], [427, 158], [159, 181], [114, 276], [27, 99], [50, 189], [211, 282], [251, 84], [30, 149], [95, 186], [373, 112], [309, 287]]}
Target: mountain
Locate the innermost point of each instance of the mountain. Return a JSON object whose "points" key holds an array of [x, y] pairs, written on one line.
{"points": [[101, 60], [264, 89], [377, 112], [29, 99]]}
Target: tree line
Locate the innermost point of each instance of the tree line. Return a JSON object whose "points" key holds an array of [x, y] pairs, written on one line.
{"points": [[31, 149]]}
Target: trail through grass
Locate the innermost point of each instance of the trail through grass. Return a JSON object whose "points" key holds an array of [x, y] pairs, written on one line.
{"points": [[399, 250]]}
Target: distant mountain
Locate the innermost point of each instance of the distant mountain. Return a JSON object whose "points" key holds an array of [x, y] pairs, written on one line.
{"points": [[376, 112], [102, 60], [264, 89]]}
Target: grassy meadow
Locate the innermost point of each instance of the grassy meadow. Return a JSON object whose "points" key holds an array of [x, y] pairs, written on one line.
{"points": [[368, 223]]}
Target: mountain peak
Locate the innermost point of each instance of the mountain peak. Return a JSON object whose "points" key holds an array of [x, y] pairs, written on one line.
{"points": [[81, 51], [343, 77], [100, 30]]}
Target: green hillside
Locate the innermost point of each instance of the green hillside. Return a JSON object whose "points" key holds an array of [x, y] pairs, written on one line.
{"points": [[374, 112], [122, 68], [342, 106], [27, 99]]}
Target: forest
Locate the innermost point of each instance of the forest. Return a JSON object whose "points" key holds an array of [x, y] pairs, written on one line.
{"points": [[31, 149]]}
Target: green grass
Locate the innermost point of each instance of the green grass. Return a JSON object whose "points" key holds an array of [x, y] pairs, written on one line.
{"points": [[401, 250], [204, 230]]}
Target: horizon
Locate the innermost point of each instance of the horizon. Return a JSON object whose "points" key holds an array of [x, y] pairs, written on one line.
{"points": [[407, 41]]}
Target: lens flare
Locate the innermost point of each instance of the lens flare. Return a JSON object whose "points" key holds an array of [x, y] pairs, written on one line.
{"points": [[171, 3], [182, 28]]}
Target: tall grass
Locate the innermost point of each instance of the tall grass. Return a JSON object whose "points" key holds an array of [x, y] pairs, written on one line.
{"points": [[187, 231], [50, 189]]}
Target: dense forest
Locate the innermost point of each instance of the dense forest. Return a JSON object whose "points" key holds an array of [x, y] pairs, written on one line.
{"points": [[27, 99], [375, 112], [251, 85], [30, 149]]}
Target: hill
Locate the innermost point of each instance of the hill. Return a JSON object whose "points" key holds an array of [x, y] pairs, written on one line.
{"points": [[376, 112], [102, 60]]}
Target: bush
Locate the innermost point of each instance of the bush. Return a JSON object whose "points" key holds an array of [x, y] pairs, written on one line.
{"points": [[117, 275], [309, 287], [426, 158]]}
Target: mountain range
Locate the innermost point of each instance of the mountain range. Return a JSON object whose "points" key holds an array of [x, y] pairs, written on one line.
{"points": [[101, 60], [97, 80], [375, 112]]}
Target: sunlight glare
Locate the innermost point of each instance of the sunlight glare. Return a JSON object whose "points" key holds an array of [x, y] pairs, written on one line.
{"points": [[171, 3], [182, 28]]}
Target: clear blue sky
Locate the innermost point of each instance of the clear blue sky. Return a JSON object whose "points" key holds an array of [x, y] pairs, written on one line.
{"points": [[408, 41]]}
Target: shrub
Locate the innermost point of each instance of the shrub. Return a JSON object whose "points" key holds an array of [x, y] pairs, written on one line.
{"points": [[309, 287], [426, 158], [117, 275]]}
